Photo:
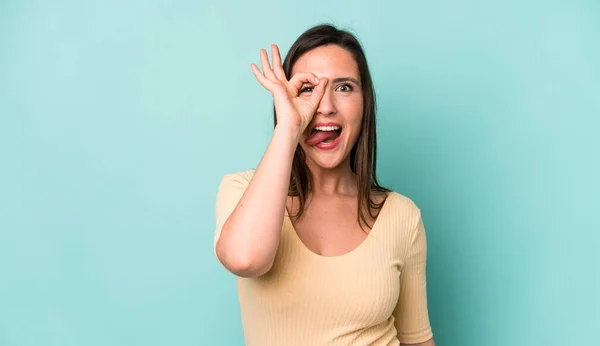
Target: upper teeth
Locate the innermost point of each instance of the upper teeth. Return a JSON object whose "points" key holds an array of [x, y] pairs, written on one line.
{"points": [[327, 128]]}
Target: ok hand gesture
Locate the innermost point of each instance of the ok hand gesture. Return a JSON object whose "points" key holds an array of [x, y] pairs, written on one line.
{"points": [[293, 109]]}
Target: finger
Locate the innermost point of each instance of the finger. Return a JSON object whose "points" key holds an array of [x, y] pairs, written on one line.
{"points": [[277, 67], [318, 92], [300, 79], [265, 82], [266, 67]]}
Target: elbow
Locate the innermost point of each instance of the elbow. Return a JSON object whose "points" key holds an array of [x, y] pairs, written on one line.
{"points": [[240, 264]]}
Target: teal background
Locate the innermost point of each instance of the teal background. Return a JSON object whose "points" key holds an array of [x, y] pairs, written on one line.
{"points": [[118, 120]]}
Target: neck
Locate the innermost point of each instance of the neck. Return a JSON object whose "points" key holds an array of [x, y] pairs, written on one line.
{"points": [[336, 181]]}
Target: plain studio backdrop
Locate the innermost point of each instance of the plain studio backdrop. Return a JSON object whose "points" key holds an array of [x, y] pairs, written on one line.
{"points": [[118, 120]]}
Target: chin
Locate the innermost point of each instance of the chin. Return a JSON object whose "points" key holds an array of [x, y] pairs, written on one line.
{"points": [[325, 159], [326, 164]]}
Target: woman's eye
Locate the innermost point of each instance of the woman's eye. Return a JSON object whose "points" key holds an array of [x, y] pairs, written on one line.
{"points": [[306, 89], [345, 88]]}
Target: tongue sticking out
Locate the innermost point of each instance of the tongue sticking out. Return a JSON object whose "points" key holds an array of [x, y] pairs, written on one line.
{"points": [[320, 136]]}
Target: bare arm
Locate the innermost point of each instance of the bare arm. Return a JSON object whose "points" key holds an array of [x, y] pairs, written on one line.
{"points": [[249, 237]]}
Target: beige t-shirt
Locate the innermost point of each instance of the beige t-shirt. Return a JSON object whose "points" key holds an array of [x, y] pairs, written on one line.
{"points": [[373, 295]]}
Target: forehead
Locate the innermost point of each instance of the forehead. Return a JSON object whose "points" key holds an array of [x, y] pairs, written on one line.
{"points": [[329, 61]]}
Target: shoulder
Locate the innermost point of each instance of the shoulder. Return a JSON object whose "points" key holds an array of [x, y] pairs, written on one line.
{"points": [[231, 189], [404, 217], [402, 203], [402, 209], [237, 179]]}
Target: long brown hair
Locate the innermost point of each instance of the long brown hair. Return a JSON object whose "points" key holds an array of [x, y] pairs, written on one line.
{"points": [[363, 156]]}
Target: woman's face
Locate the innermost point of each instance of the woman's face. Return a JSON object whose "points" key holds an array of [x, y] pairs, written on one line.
{"points": [[340, 107]]}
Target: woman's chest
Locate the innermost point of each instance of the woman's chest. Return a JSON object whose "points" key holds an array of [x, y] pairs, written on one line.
{"points": [[331, 228], [364, 283]]}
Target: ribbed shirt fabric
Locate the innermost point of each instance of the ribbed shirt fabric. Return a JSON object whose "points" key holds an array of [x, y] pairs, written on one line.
{"points": [[372, 295]]}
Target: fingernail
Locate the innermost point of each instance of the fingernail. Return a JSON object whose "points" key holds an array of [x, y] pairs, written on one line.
{"points": [[316, 80]]}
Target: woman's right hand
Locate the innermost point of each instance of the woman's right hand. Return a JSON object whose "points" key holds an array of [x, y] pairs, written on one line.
{"points": [[293, 110]]}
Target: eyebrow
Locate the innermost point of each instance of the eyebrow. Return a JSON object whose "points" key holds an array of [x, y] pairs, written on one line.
{"points": [[346, 79], [341, 79]]}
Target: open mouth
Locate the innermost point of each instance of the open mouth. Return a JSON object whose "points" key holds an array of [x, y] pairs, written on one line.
{"points": [[324, 136]]}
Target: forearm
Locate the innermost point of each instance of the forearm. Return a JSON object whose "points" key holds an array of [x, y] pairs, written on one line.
{"points": [[250, 236]]}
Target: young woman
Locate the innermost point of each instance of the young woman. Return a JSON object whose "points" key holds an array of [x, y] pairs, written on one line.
{"points": [[324, 255]]}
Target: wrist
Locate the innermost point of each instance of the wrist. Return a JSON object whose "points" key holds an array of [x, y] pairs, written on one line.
{"points": [[292, 133]]}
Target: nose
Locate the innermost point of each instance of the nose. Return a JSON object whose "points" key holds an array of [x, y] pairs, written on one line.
{"points": [[327, 104]]}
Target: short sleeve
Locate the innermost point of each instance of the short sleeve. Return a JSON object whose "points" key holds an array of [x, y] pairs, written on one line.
{"points": [[231, 190], [411, 313]]}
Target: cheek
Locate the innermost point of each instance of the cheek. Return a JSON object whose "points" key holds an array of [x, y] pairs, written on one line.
{"points": [[353, 112], [352, 104]]}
